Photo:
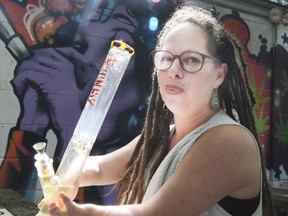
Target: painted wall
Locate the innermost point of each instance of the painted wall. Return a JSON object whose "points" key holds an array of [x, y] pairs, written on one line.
{"points": [[51, 54]]}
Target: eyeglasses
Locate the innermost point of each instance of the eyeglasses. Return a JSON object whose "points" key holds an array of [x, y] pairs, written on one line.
{"points": [[189, 61]]}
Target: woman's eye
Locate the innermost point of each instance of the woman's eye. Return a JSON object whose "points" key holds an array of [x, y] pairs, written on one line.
{"points": [[191, 60], [195, 60], [166, 59]]}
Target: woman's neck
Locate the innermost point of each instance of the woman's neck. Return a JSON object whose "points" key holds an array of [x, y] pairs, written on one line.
{"points": [[184, 125]]}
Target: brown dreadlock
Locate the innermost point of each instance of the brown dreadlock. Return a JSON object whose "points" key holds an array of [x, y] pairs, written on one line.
{"points": [[234, 94]]}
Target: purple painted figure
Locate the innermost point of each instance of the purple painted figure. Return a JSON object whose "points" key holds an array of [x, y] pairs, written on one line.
{"points": [[53, 84]]}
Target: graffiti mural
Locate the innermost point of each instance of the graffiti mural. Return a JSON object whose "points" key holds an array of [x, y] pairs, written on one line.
{"points": [[59, 47], [258, 73], [267, 71], [280, 115]]}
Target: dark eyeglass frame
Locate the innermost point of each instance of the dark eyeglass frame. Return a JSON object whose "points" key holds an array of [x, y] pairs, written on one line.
{"points": [[203, 56]]}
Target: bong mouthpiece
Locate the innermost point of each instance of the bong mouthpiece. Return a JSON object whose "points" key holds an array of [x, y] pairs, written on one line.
{"points": [[40, 147]]}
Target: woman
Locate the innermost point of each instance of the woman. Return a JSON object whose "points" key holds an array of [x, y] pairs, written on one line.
{"points": [[205, 163]]}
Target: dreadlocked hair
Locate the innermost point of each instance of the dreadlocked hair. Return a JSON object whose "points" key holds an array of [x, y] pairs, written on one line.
{"points": [[235, 95], [154, 138]]}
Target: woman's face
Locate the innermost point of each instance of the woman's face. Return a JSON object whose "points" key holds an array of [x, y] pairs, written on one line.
{"points": [[185, 92]]}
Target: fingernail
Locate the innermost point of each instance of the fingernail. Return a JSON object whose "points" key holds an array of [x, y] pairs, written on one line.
{"points": [[52, 205]]}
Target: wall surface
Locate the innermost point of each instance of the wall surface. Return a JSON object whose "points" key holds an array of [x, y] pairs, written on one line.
{"points": [[51, 54]]}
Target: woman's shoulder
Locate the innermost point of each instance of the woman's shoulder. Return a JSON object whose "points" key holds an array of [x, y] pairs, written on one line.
{"points": [[224, 160], [229, 146], [229, 135]]}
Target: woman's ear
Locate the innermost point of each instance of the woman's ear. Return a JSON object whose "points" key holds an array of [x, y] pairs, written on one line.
{"points": [[221, 73]]}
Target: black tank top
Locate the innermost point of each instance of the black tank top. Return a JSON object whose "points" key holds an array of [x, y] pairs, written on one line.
{"points": [[239, 207]]}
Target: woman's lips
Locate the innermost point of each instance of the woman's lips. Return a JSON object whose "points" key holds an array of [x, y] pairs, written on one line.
{"points": [[173, 89]]}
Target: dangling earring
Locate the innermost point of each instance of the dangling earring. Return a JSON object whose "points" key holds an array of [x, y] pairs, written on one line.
{"points": [[215, 103]]}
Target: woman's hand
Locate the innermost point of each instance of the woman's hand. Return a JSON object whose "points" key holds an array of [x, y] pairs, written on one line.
{"points": [[71, 208], [73, 195]]}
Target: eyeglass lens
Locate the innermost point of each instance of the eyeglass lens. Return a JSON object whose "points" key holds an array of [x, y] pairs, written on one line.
{"points": [[189, 61]]}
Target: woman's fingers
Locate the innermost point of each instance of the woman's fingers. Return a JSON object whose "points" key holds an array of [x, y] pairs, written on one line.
{"points": [[54, 210], [65, 199]]}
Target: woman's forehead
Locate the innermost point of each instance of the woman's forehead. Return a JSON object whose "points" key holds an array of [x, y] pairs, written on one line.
{"points": [[186, 36]]}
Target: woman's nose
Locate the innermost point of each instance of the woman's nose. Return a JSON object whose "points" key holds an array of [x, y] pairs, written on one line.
{"points": [[175, 71]]}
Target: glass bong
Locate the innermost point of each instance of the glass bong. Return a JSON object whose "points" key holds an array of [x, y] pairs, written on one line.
{"points": [[86, 130]]}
